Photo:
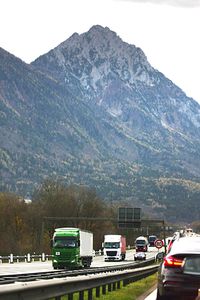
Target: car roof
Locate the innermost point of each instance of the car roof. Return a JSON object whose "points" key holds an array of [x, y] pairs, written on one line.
{"points": [[186, 245]]}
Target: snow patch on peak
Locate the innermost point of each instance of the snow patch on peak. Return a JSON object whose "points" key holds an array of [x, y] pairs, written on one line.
{"points": [[165, 125], [171, 129], [187, 109], [115, 111]]}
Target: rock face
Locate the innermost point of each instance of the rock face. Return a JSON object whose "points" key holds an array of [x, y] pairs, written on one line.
{"points": [[94, 111]]}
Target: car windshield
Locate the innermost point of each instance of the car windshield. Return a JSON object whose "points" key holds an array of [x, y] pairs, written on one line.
{"points": [[64, 242], [111, 245]]}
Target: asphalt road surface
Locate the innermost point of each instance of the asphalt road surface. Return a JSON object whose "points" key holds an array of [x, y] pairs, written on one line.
{"points": [[98, 261]]}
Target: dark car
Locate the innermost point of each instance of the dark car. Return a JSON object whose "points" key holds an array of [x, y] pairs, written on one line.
{"points": [[179, 272]]}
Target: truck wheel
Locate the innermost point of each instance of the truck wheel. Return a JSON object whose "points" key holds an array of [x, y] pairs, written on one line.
{"points": [[87, 263]]}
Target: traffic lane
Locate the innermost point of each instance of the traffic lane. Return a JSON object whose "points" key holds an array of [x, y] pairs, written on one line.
{"points": [[152, 296], [99, 260], [33, 267], [24, 267]]}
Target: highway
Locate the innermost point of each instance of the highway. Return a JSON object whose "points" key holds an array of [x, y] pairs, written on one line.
{"points": [[98, 261]]}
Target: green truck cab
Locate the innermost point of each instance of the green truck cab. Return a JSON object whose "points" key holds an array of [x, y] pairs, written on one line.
{"points": [[72, 248]]}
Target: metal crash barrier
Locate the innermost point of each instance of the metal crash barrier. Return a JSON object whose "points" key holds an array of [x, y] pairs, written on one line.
{"points": [[56, 288], [25, 258]]}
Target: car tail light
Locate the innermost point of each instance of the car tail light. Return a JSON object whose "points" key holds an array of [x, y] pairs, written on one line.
{"points": [[171, 261]]}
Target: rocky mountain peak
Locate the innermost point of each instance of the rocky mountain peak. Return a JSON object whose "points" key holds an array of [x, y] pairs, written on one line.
{"points": [[109, 72], [93, 110], [99, 53], [98, 37]]}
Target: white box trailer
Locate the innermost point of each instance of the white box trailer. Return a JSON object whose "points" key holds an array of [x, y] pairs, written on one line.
{"points": [[86, 243]]}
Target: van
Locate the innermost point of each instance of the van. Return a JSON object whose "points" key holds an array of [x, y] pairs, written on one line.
{"points": [[152, 239]]}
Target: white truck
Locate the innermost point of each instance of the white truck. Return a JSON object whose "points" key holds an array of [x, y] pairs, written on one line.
{"points": [[141, 244], [114, 247], [72, 248]]}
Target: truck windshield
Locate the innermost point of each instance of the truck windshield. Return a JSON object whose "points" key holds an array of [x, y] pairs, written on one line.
{"points": [[64, 242], [110, 245], [140, 242], [152, 238]]}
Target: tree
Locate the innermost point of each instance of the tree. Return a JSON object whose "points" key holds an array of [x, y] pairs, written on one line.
{"points": [[62, 202], [13, 225]]}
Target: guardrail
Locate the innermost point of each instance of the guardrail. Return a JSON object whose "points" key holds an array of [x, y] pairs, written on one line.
{"points": [[57, 288], [25, 258], [31, 257]]}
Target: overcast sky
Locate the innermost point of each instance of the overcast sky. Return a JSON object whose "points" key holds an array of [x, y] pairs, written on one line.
{"points": [[166, 30]]}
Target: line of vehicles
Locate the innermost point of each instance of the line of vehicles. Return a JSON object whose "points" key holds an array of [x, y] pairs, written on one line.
{"points": [[73, 248], [178, 273]]}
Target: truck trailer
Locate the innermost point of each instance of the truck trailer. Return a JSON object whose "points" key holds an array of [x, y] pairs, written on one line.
{"points": [[114, 247], [72, 248]]}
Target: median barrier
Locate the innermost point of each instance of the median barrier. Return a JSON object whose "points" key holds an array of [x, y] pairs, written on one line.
{"points": [[25, 258]]}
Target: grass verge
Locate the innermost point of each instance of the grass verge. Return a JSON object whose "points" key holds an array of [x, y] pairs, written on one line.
{"points": [[129, 292]]}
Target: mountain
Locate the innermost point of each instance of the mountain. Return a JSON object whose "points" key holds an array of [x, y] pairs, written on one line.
{"points": [[94, 111]]}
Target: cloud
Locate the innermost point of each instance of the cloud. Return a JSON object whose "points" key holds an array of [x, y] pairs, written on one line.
{"points": [[179, 3]]}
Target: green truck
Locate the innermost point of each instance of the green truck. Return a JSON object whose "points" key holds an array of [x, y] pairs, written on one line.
{"points": [[72, 248]]}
